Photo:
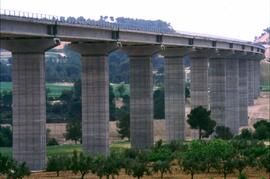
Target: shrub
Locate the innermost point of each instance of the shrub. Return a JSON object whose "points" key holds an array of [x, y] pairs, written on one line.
{"points": [[223, 132], [224, 153], [18, 171], [137, 168], [265, 161], [193, 160], [245, 134], [58, 163], [13, 169], [5, 137], [81, 163], [5, 164], [52, 141], [109, 166], [262, 130], [162, 166], [242, 176]]}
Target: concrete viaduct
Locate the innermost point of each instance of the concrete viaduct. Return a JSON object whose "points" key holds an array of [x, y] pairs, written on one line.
{"points": [[228, 68]]}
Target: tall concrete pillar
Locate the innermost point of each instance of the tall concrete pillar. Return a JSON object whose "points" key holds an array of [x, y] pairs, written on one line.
{"points": [[174, 83], [29, 103], [199, 78], [95, 96], [250, 82], [232, 95], [217, 82], [257, 78], [243, 91], [141, 96]]}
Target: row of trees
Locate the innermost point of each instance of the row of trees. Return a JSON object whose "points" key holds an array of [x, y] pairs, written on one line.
{"points": [[123, 23], [216, 156]]}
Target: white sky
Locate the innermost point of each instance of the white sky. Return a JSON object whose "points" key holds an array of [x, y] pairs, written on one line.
{"points": [[241, 19]]}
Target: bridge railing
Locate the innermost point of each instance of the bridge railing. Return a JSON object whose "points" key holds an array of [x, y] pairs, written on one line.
{"points": [[81, 20], [31, 15]]}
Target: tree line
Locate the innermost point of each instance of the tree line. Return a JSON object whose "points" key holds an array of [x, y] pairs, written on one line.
{"points": [[195, 157]]}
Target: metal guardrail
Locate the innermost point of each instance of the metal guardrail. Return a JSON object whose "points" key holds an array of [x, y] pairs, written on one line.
{"points": [[80, 20], [31, 15]]}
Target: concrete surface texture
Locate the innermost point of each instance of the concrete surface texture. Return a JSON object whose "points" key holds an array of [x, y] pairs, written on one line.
{"points": [[217, 82], [141, 102], [199, 82], [243, 92], [250, 82], [232, 95], [174, 98]]}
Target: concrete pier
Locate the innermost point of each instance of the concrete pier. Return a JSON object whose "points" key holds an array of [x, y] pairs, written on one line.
{"points": [[29, 103], [232, 95], [250, 82], [95, 96], [257, 78], [199, 81], [174, 83], [141, 95], [243, 92], [217, 82]]}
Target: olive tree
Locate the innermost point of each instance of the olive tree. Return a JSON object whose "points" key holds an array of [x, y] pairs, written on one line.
{"points": [[192, 161], [81, 163]]}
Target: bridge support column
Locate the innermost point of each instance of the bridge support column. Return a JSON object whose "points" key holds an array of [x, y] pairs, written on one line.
{"points": [[141, 96], [257, 78], [95, 96], [29, 103], [232, 95], [174, 83], [243, 91], [250, 82], [217, 83], [199, 78]]}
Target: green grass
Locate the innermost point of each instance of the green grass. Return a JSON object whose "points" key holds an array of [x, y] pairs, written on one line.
{"points": [[5, 86], [6, 151], [67, 149], [265, 87], [55, 89]]}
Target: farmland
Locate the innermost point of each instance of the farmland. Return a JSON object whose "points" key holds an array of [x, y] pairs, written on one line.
{"points": [[54, 89]]}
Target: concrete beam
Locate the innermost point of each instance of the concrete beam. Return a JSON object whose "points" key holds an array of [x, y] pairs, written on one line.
{"points": [[28, 45]]}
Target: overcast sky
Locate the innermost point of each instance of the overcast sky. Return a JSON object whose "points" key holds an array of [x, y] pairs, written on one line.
{"points": [[241, 19]]}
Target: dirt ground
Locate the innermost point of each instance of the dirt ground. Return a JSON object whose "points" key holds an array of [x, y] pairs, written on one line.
{"points": [[260, 110], [251, 173]]}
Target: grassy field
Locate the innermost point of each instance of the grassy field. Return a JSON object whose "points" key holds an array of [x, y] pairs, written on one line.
{"points": [[55, 89], [67, 148], [265, 87]]}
